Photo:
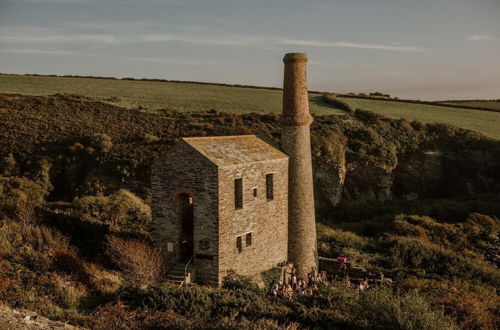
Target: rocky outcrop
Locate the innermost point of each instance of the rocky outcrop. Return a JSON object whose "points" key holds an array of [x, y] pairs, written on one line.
{"points": [[427, 173], [11, 319]]}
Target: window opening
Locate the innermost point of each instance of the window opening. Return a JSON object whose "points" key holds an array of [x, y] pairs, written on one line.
{"points": [[269, 187], [248, 239], [239, 245], [238, 193]]}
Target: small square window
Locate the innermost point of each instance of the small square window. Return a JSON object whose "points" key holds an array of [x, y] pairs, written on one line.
{"points": [[254, 191], [248, 239], [239, 244]]}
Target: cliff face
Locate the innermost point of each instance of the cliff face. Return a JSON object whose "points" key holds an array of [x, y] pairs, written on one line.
{"points": [[428, 173], [378, 161]]}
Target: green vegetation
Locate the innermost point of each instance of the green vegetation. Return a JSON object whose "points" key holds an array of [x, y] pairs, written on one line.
{"points": [[75, 196], [157, 95], [153, 95], [485, 122], [494, 105]]}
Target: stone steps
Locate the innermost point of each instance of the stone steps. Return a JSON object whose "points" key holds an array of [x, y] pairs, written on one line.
{"points": [[176, 273]]}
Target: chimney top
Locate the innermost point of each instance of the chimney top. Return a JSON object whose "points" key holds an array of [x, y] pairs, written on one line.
{"points": [[295, 58]]}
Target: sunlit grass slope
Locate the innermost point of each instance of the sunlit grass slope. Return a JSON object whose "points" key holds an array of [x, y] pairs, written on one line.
{"points": [[194, 97], [486, 122], [157, 95]]}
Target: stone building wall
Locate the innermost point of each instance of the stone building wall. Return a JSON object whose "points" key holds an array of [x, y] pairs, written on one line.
{"points": [[185, 170], [266, 220]]}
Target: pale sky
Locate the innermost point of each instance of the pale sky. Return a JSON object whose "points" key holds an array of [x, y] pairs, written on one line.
{"points": [[427, 49]]}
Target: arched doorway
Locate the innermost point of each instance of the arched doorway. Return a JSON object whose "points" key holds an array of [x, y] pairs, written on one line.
{"points": [[187, 233]]}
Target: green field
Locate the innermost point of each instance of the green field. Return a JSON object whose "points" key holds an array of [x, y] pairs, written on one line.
{"points": [[159, 95], [494, 105], [486, 122], [195, 97]]}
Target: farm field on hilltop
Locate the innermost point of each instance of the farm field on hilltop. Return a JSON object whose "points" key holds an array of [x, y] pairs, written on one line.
{"points": [[158, 95], [495, 105], [195, 97], [486, 122]]}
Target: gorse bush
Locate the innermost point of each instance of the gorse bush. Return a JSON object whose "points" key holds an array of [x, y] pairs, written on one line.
{"points": [[473, 306], [427, 258], [236, 281], [101, 142], [194, 302], [469, 237], [21, 190], [123, 211], [381, 309], [30, 245], [340, 237]]}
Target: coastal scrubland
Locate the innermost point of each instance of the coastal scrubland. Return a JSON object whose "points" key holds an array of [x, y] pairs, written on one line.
{"points": [[417, 201]]}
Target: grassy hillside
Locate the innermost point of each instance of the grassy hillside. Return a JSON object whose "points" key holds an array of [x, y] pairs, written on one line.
{"points": [[485, 122], [196, 97], [158, 95], [74, 178]]}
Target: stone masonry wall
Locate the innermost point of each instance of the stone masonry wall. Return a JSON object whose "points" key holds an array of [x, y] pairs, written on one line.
{"points": [[266, 220], [185, 170]]}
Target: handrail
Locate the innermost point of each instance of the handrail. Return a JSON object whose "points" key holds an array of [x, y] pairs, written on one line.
{"points": [[185, 268]]}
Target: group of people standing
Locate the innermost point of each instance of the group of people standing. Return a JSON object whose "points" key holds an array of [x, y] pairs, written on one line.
{"points": [[294, 287]]}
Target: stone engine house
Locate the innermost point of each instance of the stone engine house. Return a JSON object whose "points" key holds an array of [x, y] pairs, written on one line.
{"points": [[220, 204]]}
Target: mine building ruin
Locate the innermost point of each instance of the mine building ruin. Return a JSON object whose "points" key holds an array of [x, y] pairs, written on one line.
{"points": [[220, 204], [237, 203]]}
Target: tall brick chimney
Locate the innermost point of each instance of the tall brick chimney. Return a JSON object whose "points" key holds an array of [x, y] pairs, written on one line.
{"points": [[296, 142]]}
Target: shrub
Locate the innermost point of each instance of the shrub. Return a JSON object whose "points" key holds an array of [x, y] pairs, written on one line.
{"points": [[101, 142], [418, 125], [194, 302], [382, 309], [8, 165], [67, 262], [332, 99], [21, 190], [67, 293], [141, 263], [426, 258], [252, 324], [115, 316], [30, 244], [338, 236], [234, 281], [123, 211], [103, 281], [149, 138], [473, 306]]}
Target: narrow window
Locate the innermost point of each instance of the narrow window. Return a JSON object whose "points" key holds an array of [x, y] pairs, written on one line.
{"points": [[269, 187], [238, 193], [248, 239], [239, 245], [254, 192]]}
